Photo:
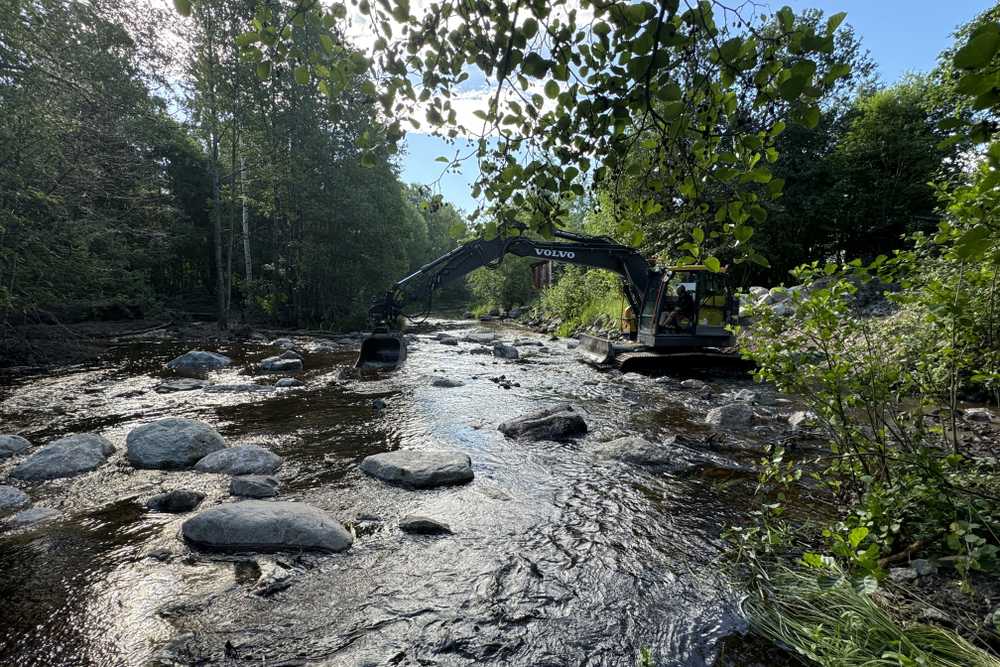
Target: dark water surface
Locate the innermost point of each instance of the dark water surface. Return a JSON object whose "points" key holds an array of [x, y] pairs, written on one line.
{"points": [[559, 557]]}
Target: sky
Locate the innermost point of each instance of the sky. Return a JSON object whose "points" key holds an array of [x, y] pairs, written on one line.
{"points": [[902, 35]]}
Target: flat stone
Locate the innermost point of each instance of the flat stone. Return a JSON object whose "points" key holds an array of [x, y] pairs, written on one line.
{"points": [[12, 497], [277, 364], [289, 382], [731, 415], [669, 456], [34, 515], [254, 486], [560, 422], [65, 457], [420, 468], [266, 526], [12, 444], [241, 460], [199, 360], [180, 384], [446, 383], [175, 501], [902, 574], [172, 444], [423, 525]]}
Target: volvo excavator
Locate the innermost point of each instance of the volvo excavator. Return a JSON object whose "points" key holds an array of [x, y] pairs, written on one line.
{"points": [[666, 329]]}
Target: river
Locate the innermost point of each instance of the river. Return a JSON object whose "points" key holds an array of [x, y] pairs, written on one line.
{"points": [[558, 557]]}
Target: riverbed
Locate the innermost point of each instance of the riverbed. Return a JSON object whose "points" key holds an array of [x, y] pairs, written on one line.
{"points": [[558, 556]]}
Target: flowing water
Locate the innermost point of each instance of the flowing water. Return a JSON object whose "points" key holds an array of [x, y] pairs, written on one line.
{"points": [[558, 557]]}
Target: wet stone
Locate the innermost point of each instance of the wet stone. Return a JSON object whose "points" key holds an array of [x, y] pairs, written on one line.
{"points": [[423, 525], [283, 343], [289, 382], [560, 422], [199, 360], [694, 384], [978, 414], [505, 351], [12, 444], [12, 497], [172, 444], [254, 486], [446, 383], [265, 526], [65, 457], [420, 468], [241, 460], [175, 501]]}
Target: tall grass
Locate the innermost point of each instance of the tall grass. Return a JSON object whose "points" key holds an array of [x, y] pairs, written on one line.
{"points": [[829, 619]]}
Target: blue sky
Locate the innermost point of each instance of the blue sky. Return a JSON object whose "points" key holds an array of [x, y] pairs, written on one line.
{"points": [[902, 35]]}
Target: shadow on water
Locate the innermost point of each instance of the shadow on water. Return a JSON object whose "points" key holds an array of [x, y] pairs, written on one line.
{"points": [[558, 557]]}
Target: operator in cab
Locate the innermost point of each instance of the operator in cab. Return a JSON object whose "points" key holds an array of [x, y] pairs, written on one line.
{"points": [[683, 310]]}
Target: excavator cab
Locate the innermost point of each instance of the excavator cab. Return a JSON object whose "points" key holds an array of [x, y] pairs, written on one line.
{"points": [[667, 324]]}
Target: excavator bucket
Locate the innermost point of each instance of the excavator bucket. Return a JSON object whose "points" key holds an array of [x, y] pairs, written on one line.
{"points": [[597, 351], [382, 351]]}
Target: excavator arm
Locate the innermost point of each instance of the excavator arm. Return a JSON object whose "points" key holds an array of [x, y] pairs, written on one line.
{"points": [[597, 252]]}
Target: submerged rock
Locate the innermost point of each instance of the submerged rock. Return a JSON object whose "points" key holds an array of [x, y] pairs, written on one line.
{"points": [[180, 384], [172, 444], [238, 388], [241, 460], [731, 415], [12, 497], [420, 468], [279, 364], [505, 351], [556, 423], [669, 455], [65, 457], [695, 385], [416, 523], [12, 444], [446, 382], [266, 526], [254, 486], [175, 501], [199, 360], [289, 382], [34, 515], [283, 343]]}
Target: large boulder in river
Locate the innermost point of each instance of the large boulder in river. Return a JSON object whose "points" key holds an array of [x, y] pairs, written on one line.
{"points": [[242, 460], [12, 444], [65, 457], [731, 415], [12, 497], [199, 360], [560, 422], [266, 526], [419, 468], [281, 364], [176, 501], [172, 444]]}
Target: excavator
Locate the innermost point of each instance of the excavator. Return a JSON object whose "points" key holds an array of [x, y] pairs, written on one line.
{"points": [[666, 330]]}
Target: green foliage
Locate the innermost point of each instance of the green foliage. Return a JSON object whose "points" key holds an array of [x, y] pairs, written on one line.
{"points": [[664, 71], [503, 286], [832, 619], [582, 297]]}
